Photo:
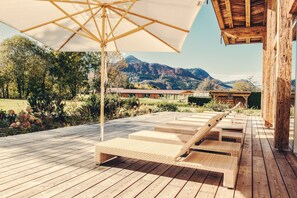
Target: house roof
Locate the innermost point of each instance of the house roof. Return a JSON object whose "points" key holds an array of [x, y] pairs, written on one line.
{"points": [[144, 91], [234, 93], [241, 21]]}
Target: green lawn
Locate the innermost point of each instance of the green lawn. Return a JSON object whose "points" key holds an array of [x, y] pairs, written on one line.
{"points": [[18, 105]]}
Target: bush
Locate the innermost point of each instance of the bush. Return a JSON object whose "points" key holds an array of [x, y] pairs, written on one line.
{"points": [[254, 100], [166, 106], [47, 106], [198, 101], [216, 106]]}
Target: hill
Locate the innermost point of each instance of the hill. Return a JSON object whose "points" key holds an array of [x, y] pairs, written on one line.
{"points": [[166, 77]]}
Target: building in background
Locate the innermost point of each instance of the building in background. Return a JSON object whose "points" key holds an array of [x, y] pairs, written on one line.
{"points": [[154, 94]]}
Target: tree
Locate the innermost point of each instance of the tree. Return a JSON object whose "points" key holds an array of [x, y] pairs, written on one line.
{"points": [[208, 84], [246, 85], [24, 61], [71, 71]]}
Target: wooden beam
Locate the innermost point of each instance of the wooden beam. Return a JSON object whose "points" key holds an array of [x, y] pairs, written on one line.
{"points": [[246, 32], [229, 13], [248, 16], [217, 10], [293, 7], [284, 73]]}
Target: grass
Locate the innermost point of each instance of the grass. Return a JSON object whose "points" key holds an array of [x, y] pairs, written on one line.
{"points": [[16, 105], [19, 105]]}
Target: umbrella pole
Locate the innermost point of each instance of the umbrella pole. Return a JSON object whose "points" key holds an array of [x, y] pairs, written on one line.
{"points": [[103, 45], [102, 93]]}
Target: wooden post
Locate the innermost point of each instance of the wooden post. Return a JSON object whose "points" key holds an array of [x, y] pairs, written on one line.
{"points": [[271, 33], [264, 83], [268, 86], [295, 102], [284, 72]]}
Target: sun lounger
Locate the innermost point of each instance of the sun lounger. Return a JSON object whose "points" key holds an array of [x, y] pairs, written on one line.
{"points": [[178, 155], [233, 149], [203, 120], [216, 133]]}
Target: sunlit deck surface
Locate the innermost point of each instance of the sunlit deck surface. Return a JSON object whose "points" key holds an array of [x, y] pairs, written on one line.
{"points": [[60, 163]]}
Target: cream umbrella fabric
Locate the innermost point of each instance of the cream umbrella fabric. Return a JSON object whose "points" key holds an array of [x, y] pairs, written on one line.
{"points": [[103, 25]]}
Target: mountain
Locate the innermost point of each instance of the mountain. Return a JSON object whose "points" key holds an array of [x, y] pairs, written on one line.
{"points": [[164, 76]]}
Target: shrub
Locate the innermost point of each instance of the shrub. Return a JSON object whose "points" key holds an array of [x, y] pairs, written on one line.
{"points": [[254, 100], [198, 101], [216, 106], [166, 106], [48, 106]]}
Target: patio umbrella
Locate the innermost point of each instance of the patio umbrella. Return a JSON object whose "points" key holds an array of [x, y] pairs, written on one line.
{"points": [[103, 25]]}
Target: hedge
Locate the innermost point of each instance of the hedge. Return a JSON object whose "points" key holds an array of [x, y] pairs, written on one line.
{"points": [[254, 100], [198, 101]]}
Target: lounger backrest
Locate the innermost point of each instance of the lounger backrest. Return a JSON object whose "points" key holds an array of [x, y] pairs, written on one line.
{"points": [[201, 133]]}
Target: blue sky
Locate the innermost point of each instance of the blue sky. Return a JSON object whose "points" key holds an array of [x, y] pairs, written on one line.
{"points": [[203, 48]]}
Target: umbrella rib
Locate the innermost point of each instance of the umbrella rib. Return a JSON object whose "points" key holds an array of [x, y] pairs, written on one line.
{"points": [[55, 20], [120, 2], [130, 32], [112, 34], [120, 20], [151, 19], [74, 20], [149, 32], [77, 32], [74, 2], [95, 22]]}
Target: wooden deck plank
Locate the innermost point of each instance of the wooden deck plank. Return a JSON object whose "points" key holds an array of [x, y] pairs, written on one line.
{"points": [[62, 187], [210, 185], [59, 163], [173, 188], [260, 182], [105, 176], [193, 185], [276, 183], [114, 179], [160, 183], [142, 183], [286, 171], [244, 180], [123, 184], [291, 158], [223, 192], [26, 170]]}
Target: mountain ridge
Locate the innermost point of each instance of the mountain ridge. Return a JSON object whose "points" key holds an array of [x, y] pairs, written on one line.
{"points": [[166, 77]]}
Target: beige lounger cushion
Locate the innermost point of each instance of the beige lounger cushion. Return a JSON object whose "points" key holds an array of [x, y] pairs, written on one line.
{"points": [[203, 120], [231, 148], [163, 137], [138, 149]]}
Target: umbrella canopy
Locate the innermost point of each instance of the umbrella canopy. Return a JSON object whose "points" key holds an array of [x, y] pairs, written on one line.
{"points": [[106, 25]]}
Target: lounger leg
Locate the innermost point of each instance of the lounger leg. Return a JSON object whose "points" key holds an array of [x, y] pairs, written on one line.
{"points": [[102, 157], [230, 179]]}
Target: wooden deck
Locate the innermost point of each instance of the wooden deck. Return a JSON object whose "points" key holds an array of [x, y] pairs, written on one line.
{"points": [[59, 163]]}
